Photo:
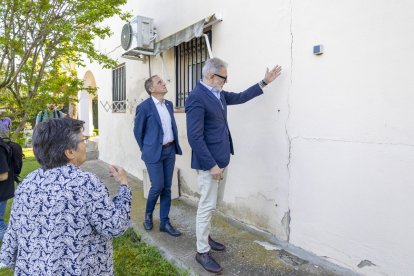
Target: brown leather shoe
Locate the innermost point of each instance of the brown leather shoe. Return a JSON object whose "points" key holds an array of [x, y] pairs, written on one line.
{"points": [[216, 246], [208, 262]]}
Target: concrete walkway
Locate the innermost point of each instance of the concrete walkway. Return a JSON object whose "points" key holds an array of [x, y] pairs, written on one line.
{"points": [[248, 252]]}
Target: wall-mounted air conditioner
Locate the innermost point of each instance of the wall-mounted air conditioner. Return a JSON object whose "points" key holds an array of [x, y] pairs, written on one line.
{"points": [[138, 37]]}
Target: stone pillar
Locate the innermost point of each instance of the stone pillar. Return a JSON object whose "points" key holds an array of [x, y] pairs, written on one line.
{"points": [[85, 112]]}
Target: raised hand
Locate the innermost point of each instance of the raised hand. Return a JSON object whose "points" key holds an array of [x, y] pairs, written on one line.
{"points": [[119, 174], [272, 74]]}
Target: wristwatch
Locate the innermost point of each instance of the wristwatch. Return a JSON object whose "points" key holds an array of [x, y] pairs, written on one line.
{"points": [[262, 83]]}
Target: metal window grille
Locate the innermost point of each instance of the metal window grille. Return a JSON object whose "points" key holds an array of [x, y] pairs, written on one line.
{"points": [[119, 89], [189, 60]]}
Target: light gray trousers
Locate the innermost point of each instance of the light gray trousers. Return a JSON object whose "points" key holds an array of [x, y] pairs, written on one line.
{"points": [[212, 192]]}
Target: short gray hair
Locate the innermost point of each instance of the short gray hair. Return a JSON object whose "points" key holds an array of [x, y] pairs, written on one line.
{"points": [[213, 66], [52, 137], [148, 84]]}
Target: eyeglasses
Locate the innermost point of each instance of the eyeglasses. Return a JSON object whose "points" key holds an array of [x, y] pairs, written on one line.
{"points": [[84, 139], [221, 77]]}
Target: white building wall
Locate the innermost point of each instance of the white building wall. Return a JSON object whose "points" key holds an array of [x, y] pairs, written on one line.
{"points": [[352, 132], [322, 159]]}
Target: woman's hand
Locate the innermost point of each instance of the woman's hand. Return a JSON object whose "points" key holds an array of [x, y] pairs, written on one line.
{"points": [[119, 174]]}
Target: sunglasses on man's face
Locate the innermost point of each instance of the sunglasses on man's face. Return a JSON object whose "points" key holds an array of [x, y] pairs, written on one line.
{"points": [[221, 77]]}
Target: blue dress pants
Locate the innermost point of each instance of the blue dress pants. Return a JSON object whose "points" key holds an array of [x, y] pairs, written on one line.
{"points": [[160, 174]]}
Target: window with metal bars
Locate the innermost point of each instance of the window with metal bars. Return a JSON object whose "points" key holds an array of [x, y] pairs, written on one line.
{"points": [[189, 60], [119, 89]]}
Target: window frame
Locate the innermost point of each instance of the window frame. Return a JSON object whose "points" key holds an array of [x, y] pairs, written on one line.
{"points": [[119, 89], [189, 60]]}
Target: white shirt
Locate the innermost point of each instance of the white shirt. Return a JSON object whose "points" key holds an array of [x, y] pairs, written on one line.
{"points": [[215, 92], [165, 120]]}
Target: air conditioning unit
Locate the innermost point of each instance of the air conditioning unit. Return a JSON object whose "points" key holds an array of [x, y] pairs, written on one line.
{"points": [[138, 37]]}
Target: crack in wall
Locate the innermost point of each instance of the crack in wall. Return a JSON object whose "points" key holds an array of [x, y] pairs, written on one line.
{"points": [[286, 223], [185, 189], [365, 263]]}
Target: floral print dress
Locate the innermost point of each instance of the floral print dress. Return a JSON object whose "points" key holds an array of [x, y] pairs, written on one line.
{"points": [[62, 223]]}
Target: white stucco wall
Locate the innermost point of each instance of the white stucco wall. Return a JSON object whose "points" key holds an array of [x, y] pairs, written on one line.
{"points": [[352, 129], [329, 146]]}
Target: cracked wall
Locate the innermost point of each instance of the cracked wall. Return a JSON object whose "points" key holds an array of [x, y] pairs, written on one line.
{"points": [[352, 134], [268, 220], [324, 158]]}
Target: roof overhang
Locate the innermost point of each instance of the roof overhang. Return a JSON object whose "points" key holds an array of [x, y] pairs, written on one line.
{"points": [[184, 35]]}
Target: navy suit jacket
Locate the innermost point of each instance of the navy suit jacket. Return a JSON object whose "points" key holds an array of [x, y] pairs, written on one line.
{"points": [[207, 128], [148, 130]]}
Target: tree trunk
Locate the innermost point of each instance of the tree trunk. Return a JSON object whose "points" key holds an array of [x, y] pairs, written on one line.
{"points": [[20, 127]]}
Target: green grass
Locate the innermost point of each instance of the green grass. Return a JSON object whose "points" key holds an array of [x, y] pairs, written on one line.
{"points": [[29, 162], [131, 255], [134, 257]]}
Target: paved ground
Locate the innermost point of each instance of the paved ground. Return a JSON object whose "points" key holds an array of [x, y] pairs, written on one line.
{"points": [[248, 252]]}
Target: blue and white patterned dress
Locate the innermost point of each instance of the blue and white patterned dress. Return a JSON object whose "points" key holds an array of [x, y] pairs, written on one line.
{"points": [[62, 223]]}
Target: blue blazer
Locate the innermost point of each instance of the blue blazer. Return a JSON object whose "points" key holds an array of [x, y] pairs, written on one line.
{"points": [[148, 130], [207, 128]]}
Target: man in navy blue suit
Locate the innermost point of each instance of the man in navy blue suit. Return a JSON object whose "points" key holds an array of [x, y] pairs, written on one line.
{"points": [[211, 143], [156, 133]]}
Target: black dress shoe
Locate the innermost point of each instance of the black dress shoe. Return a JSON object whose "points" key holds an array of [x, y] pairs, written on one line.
{"points": [[208, 262], [170, 230], [216, 246], [148, 222]]}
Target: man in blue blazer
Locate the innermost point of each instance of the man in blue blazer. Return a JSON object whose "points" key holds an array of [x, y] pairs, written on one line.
{"points": [[156, 133], [211, 143]]}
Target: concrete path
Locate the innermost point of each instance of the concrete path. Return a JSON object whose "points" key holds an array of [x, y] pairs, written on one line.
{"points": [[248, 252]]}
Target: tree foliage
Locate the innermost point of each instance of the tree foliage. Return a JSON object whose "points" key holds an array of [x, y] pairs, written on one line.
{"points": [[41, 42]]}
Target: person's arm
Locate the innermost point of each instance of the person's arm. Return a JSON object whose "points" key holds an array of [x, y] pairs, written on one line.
{"points": [[140, 125], [4, 167], [4, 176], [195, 132], [170, 107], [233, 98], [255, 90], [110, 217]]}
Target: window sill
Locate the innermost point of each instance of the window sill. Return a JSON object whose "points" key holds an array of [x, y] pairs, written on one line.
{"points": [[179, 110]]}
